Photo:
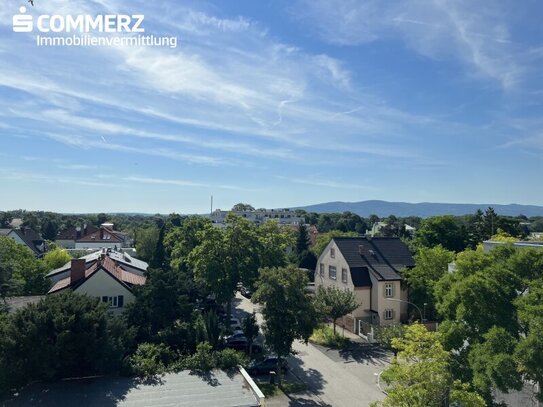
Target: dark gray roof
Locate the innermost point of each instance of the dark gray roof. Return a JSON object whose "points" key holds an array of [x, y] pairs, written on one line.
{"points": [[384, 257], [183, 389], [32, 239]]}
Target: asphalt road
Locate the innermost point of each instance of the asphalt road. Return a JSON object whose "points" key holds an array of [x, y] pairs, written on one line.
{"points": [[334, 378]]}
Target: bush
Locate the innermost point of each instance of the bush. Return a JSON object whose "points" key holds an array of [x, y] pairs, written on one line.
{"points": [[385, 334], [150, 359], [230, 358], [325, 336]]}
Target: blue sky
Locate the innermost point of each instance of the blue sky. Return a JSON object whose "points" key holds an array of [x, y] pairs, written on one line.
{"points": [[276, 103]]}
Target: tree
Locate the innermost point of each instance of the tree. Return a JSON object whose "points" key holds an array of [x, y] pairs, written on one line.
{"points": [[288, 312], [180, 241], [250, 329], [226, 257], [442, 230], [273, 243], [56, 258], [63, 335], [20, 272], [304, 257], [431, 265], [212, 329], [146, 240], [101, 218], [49, 230], [162, 309], [240, 207], [420, 375], [158, 260], [335, 303]]}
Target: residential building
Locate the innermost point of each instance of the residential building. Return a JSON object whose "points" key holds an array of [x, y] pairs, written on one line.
{"points": [[258, 216], [488, 245], [107, 275], [371, 268], [27, 237], [92, 237]]}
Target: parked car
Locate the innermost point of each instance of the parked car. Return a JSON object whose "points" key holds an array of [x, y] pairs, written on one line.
{"points": [[236, 335], [237, 344], [266, 366], [246, 292]]}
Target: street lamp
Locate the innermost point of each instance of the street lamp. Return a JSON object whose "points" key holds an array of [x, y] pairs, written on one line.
{"points": [[407, 302], [425, 304]]}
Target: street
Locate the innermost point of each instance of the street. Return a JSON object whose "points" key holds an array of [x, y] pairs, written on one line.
{"points": [[341, 378]]}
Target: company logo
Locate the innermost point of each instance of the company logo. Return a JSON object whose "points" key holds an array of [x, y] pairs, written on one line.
{"points": [[22, 23], [108, 23], [87, 30]]}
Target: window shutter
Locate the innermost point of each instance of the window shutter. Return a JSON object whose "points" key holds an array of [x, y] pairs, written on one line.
{"points": [[104, 299], [384, 290], [120, 301]]}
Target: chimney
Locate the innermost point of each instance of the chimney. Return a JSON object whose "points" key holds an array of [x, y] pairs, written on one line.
{"points": [[77, 270]]}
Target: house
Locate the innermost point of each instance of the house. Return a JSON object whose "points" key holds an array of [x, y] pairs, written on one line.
{"points": [[371, 268], [488, 245], [92, 237], [259, 216], [28, 237], [103, 275]]}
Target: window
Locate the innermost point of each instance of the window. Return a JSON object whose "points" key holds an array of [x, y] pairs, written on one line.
{"points": [[116, 301], [344, 275], [389, 314], [389, 290], [332, 272], [322, 270], [333, 253]]}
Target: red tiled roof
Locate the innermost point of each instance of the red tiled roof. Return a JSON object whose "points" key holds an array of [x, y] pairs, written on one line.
{"points": [[101, 235], [110, 267]]}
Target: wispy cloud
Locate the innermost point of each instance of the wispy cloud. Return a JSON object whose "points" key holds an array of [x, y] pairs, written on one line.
{"points": [[184, 183]]}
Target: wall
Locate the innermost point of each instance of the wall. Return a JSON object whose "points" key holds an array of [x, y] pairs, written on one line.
{"points": [[362, 293], [98, 245], [102, 284]]}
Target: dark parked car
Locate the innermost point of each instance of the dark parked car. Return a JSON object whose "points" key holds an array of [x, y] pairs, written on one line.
{"points": [[246, 292], [237, 344], [266, 366]]}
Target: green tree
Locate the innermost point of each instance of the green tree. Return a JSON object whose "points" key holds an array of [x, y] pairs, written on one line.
{"points": [[335, 303], [162, 309], [444, 231], [146, 240], [288, 312], [180, 241], [159, 260], [49, 230], [226, 257], [64, 335], [250, 329], [150, 359], [420, 375], [20, 272], [273, 243], [242, 207], [212, 329], [431, 265], [56, 258]]}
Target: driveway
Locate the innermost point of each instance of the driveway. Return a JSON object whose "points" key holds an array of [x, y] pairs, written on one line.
{"points": [[342, 378]]}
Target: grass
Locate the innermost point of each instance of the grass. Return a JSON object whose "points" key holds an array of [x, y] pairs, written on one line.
{"points": [[271, 390], [324, 335]]}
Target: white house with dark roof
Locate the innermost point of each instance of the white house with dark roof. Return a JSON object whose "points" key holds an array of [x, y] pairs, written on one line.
{"points": [[27, 237], [107, 275], [371, 268]]}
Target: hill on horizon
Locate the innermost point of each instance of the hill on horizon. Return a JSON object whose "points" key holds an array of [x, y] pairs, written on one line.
{"points": [[422, 209]]}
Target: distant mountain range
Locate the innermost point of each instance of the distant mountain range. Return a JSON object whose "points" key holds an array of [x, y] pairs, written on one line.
{"points": [[423, 209]]}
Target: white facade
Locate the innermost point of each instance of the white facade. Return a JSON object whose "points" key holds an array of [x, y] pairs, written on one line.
{"points": [[283, 217], [101, 284]]}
